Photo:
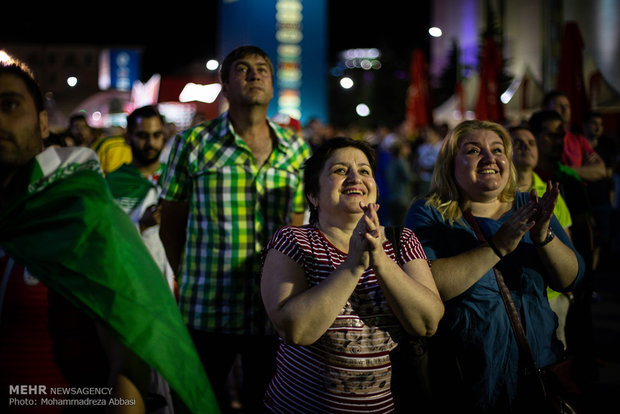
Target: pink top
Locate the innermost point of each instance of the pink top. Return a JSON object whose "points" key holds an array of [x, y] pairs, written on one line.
{"points": [[576, 147]]}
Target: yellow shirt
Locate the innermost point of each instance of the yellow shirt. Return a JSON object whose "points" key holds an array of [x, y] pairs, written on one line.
{"points": [[560, 211], [112, 152]]}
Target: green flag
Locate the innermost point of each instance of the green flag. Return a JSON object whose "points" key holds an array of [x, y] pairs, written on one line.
{"points": [[69, 232], [128, 186]]}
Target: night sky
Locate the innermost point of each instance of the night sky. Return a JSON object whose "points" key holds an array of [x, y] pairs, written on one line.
{"points": [[173, 39], [175, 36]]}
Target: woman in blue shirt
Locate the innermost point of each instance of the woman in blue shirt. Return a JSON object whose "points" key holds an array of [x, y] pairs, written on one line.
{"points": [[474, 177]]}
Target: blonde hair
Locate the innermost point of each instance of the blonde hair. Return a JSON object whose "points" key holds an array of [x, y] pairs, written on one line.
{"points": [[444, 193]]}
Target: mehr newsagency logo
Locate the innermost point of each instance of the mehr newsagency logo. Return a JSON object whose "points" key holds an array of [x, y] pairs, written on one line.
{"points": [[41, 395]]}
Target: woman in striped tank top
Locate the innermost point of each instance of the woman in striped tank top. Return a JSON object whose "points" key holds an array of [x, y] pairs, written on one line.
{"points": [[337, 294]]}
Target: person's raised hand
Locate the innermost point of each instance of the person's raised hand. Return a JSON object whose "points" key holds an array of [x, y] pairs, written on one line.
{"points": [[544, 212], [507, 238]]}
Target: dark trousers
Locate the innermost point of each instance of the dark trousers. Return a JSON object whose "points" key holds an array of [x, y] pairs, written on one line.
{"points": [[218, 352]]}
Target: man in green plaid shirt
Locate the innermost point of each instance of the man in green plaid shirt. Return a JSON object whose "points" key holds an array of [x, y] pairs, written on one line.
{"points": [[228, 185]]}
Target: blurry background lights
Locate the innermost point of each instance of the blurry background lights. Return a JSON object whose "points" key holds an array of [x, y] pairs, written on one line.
{"points": [[362, 110], [72, 81], [366, 59], [4, 57], [346, 82], [435, 32], [509, 93], [366, 64], [212, 64], [201, 93], [371, 53]]}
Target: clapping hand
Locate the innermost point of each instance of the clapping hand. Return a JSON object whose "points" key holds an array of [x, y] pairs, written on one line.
{"points": [[544, 211], [509, 235], [373, 234], [534, 217], [366, 239]]}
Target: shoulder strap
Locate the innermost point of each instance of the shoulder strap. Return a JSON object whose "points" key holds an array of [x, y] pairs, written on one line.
{"points": [[511, 309]]}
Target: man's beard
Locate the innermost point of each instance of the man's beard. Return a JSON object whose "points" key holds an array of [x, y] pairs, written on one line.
{"points": [[23, 149], [144, 159]]}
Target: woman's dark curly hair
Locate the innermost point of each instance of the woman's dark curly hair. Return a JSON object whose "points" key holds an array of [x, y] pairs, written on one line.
{"points": [[314, 165]]}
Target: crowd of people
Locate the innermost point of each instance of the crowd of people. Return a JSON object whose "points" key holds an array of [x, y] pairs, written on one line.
{"points": [[297, 266]]}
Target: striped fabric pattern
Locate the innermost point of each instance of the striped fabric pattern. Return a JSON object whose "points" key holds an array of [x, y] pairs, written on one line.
{"points": [[348, 370], [235, 207]]}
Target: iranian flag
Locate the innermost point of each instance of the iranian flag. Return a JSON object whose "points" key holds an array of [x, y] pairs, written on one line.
{"points": [[67, 230]]}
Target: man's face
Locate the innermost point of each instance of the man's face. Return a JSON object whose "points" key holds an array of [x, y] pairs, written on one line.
{"points": [[595, 127], [82, 131], [562, 106], [250, 82], [147, 140], [22, 128], [525, 149], [551, 139]]}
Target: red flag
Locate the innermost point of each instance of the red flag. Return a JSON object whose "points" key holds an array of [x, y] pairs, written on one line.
{"points": [[489, 106], [419, 108], [570, 78]]}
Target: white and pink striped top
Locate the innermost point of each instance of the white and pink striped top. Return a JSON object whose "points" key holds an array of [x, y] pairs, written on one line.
{"points": [[348, 370]]}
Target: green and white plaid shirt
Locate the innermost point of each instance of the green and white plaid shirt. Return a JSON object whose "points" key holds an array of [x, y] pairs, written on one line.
{"points": [[234, 208]]}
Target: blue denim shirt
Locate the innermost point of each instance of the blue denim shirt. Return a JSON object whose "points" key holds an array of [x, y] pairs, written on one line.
{"points": [[476, 321]]}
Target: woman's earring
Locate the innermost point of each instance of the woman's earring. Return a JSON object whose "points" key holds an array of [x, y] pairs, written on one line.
{"points": [[314, 203]]}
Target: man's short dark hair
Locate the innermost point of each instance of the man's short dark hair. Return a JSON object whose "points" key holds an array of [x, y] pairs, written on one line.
{"points": [[239, 53], [538, 119], [148, 111], [12, 66], [521, 127], [77, 117], [594, 114], [550, 96]]}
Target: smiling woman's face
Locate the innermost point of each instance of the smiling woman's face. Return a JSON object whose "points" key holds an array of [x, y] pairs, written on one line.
{"points": [[345, 180], [481, 167]]}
